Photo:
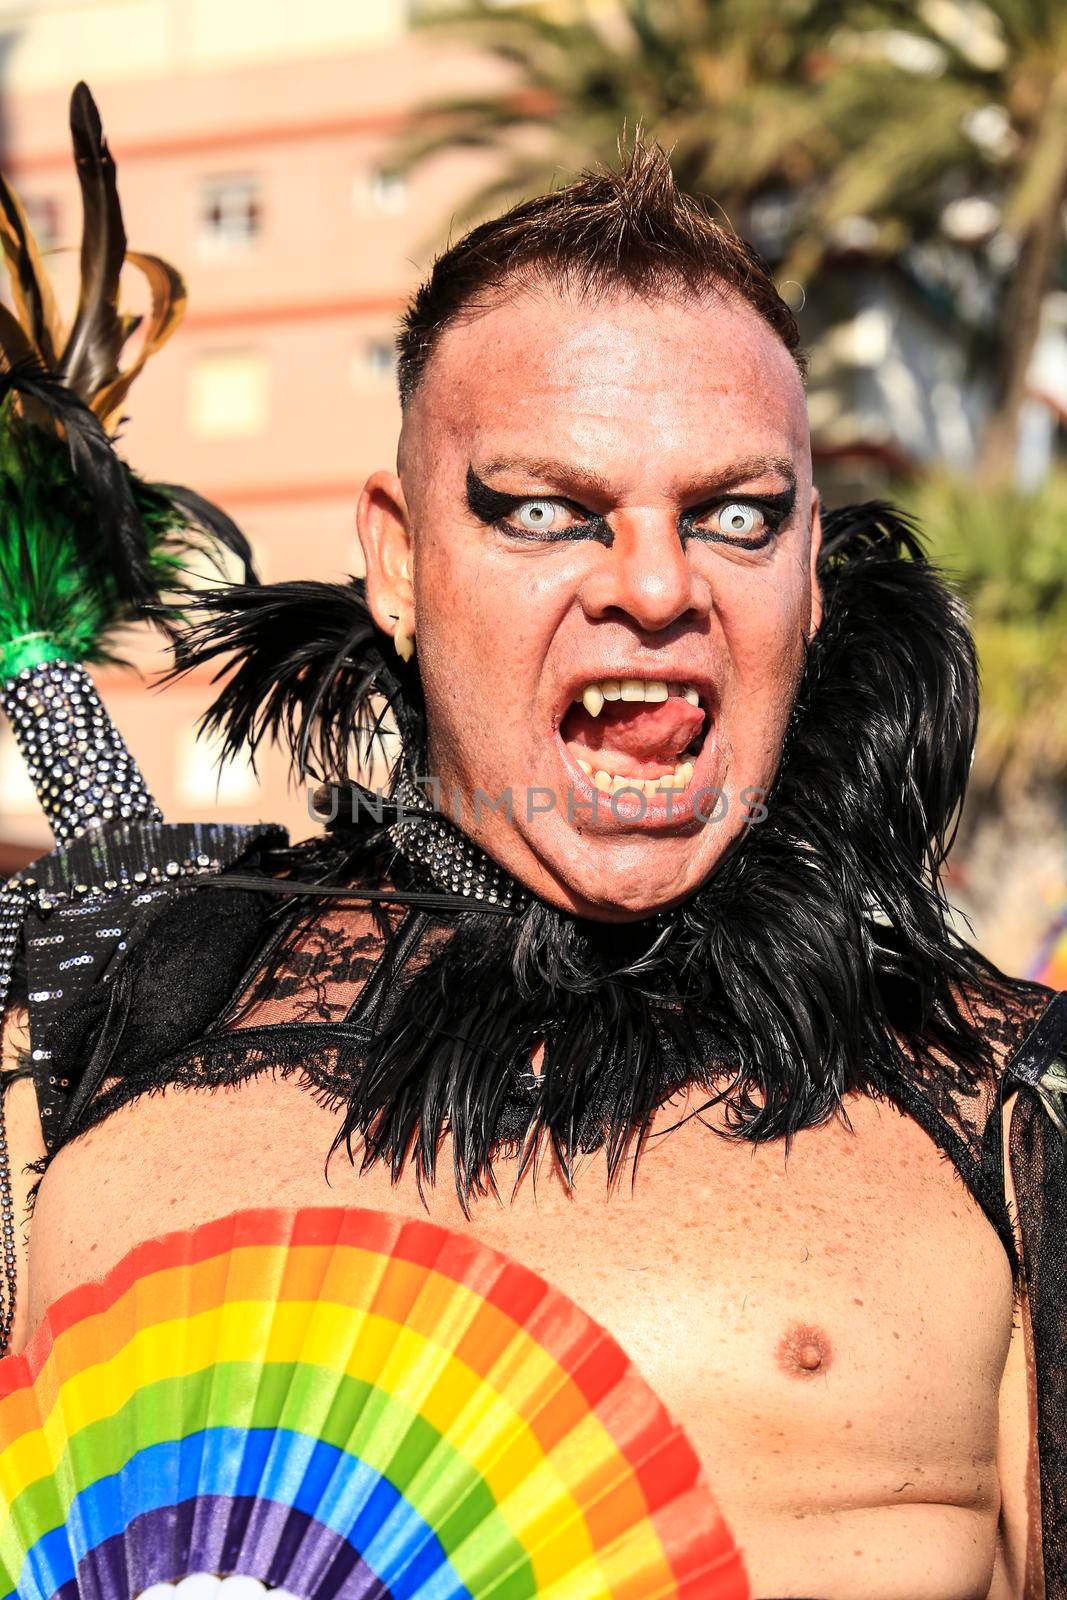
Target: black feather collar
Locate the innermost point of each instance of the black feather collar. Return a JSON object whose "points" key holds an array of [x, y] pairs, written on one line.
{"points": [[816, 960]]}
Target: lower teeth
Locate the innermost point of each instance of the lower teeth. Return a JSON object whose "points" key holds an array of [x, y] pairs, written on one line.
{"points": [[612, 783]]}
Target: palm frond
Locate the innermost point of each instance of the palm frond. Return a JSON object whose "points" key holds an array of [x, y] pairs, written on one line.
{"points": [[1006, 552]]}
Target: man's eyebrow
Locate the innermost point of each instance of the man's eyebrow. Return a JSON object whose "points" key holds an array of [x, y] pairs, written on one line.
{"points": [[577, 480], [736, 473], [557, 474]]}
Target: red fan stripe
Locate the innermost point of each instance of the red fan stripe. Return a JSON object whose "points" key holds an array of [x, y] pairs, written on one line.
{"points": [[512, 1295]]}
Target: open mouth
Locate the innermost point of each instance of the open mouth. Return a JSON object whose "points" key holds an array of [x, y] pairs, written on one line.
{"points": [[636, 733]]}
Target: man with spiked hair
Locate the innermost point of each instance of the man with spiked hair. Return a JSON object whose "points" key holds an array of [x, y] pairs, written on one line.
{"points": [[655, 889]]}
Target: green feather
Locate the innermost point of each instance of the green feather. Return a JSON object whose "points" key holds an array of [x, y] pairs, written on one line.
{"points": [[58, 596]]}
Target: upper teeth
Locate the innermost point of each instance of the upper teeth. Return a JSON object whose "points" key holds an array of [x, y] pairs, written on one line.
{"points": [[595, 694]]}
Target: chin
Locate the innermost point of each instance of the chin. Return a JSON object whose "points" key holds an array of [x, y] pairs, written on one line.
{"points": [[611, 881]]}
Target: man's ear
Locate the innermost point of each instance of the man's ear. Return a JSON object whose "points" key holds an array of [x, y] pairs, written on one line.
{"points": [[383, 526], [816, 545]]}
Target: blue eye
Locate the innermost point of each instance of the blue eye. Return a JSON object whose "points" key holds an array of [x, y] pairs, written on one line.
{"points": [[536, 515]]}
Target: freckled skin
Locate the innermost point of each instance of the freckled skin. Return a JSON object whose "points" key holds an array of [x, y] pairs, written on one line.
{"points": [[693, 1269], [655, 398]]}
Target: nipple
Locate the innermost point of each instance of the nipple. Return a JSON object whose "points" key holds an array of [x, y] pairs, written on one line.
{"points": [[804, 1352]]}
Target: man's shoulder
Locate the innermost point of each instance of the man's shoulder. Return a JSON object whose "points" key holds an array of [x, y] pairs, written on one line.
{"points": [[288, 938], [965, 1062], [1032, 1048], [1021, 1026], [182, 952]]}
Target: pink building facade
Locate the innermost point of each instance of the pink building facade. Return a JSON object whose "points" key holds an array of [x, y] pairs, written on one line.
{"points": [[269, 182]]}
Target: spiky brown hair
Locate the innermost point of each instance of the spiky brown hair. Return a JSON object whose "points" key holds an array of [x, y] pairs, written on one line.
{"points": [[628, 228]]}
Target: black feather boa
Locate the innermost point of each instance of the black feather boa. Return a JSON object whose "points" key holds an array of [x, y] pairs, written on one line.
{"points": [[817, 959]]}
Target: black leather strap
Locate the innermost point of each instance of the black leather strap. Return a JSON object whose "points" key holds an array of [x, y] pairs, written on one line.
{"points": [[1046, 1040]]}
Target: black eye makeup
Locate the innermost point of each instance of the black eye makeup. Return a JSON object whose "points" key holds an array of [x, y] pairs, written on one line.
{"points": [[749, 522], [532, 517]]}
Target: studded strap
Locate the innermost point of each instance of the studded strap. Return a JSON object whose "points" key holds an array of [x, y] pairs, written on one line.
{"points": [[7, 1238], [428, 839], [83, 773]]}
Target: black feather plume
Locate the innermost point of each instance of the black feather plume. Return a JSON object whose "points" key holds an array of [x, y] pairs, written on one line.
{"points": [[816, 960], [310, 664], [214, 521], [90, 356], [100, 471]]}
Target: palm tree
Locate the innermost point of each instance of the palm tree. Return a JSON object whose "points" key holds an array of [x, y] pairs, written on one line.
{"points": [[959, 119], [1006, 553], [938, 126], [726, 85]]}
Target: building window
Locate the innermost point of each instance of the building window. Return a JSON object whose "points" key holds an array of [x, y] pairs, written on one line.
{"points": [[231, 215], [42, 214], [229, 394], [380, 191]]}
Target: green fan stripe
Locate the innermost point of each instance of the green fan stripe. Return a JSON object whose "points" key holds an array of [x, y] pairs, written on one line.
{"points": [[354, 1416]]}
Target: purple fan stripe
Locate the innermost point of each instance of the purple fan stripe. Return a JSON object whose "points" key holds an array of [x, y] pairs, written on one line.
{"points": [[299, 1553]]}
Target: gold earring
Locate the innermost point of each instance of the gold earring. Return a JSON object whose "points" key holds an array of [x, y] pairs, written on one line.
{"points": [[404, 643]]}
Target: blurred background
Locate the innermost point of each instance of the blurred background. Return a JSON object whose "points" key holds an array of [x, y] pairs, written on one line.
{"points": [[902, 166]]}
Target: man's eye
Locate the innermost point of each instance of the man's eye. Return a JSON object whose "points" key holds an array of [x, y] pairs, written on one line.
{"points": [[739, 520], [538, 516]]}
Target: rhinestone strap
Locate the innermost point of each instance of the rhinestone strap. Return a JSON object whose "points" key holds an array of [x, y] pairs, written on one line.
{"points": [[13, 902], [7, 1232], [83, 773], [84, 776], [453, 861]]}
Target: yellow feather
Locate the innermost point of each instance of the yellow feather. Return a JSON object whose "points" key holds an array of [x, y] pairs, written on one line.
{"points": [[168, 308], [30, 287]]}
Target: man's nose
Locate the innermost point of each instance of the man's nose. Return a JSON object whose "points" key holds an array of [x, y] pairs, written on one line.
{"points": [[646, 574]]}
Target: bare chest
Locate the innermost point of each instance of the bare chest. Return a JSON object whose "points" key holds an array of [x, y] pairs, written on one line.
{"points": [[851, 1304]]}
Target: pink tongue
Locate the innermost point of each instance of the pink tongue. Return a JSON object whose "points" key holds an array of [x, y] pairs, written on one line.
{"points": [[641, 729]]}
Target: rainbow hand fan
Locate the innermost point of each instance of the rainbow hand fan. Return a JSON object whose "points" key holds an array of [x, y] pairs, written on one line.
{"points": [[340, 1402]]}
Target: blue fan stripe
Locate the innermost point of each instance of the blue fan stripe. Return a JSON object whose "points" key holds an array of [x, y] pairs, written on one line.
{"points": [[267, 1464]]}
